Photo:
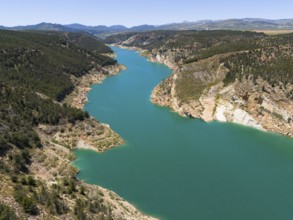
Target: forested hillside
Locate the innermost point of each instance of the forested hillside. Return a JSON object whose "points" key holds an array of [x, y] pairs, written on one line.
{"points": [[44, 62], [218, 74], [38, 131], [259, 54]]}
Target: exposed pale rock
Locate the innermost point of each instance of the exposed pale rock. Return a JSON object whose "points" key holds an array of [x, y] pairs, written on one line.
{"points": [[254, 104], [78, 97], [242, 117], [272, 107]]}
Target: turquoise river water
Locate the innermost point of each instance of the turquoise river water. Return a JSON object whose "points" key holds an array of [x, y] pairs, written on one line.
{"points": [[177, 168]]}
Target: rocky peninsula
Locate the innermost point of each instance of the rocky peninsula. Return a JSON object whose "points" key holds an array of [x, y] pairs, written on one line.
{"points": [[199, 87]]}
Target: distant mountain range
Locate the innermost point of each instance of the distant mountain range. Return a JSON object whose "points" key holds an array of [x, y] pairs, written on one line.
{"points": [[229, 24], [100, 29]]}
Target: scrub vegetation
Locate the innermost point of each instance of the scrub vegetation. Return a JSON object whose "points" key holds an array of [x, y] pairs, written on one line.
{"points": [[245, 54], [36, 69]]}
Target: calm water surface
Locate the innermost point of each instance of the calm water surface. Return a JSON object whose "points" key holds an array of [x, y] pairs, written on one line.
{"points": [[179, 168]]}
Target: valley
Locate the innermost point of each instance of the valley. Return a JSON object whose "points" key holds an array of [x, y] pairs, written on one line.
{"points": [[242, 77], [62, 93]]}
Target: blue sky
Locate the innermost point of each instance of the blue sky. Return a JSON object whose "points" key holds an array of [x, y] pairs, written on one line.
{"points": [[136, 12]]}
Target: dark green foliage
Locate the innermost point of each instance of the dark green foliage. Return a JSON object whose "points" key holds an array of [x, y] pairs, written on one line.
{"points": [[191, 40], [29, 204], [23, 181], [4, 147], [247, 54], [35, 72], [21, 110], [117, 38], [191, 46], [82, 190], [28, 198], [6, 213], [272, 64], [69, 186], [83, 207], [31, 181], [233, 45], [52, 200], [14, 179], [87, 42], [32, 62], [79, 209], [43, 62], [20, 161]]}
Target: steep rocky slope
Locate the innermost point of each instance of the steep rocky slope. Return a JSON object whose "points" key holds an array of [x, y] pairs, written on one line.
{"points": [[40, 127], [241, 77]]}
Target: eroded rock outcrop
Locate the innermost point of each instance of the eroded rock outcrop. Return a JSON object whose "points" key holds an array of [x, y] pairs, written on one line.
{"points": [[78, 97], [248, 102]]}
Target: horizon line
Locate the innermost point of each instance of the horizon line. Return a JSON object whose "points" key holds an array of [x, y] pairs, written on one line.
{"points": [[184, 21]]}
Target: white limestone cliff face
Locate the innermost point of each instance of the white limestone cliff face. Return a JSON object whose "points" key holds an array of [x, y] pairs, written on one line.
{"points": [[226, 112]]}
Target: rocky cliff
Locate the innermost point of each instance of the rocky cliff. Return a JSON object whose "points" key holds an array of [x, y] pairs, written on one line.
{"points": [[224, 76], [252, 103]]}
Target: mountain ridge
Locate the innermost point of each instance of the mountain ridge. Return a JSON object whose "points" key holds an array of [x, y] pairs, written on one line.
{"points": [[230, 24]]}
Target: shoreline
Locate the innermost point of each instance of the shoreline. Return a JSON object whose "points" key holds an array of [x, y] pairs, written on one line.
{"points": [[54, 162], [104, 138], [78, 98], [214, 104], [110, 193]]}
